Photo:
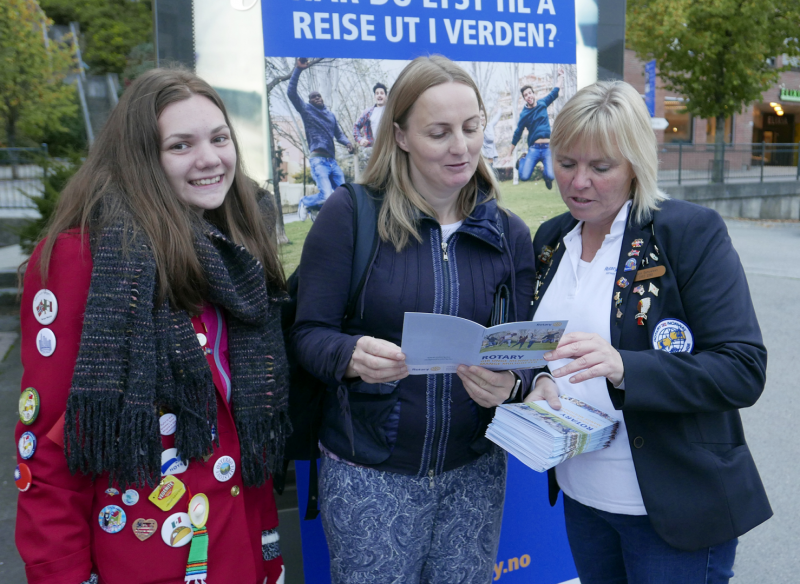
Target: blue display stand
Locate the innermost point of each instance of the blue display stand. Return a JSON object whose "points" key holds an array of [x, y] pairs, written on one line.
{"points": [[533, 542]]}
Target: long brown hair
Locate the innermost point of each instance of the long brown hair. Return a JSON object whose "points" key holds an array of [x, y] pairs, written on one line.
{"points": [[122, 178], [388, 169]]}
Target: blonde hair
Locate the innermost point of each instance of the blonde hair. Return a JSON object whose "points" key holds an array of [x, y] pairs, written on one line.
{"points": [[388, 169], [611, 115]]}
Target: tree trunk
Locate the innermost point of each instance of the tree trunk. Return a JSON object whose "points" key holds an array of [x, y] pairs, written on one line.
{"points": [[280, 229], [718, 166]]}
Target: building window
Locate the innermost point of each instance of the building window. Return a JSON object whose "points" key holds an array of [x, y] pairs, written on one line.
{"points": [[711, 134], [793, 62], [681, 122]]}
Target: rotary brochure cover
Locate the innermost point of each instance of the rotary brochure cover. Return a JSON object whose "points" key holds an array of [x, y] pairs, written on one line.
{"points": [[541, 437], [439, 343]]}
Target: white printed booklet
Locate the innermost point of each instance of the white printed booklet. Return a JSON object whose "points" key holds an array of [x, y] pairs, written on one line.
{"points": [[438, 343]]}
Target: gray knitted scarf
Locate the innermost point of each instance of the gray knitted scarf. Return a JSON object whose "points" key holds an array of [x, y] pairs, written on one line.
{"points": [[136, 358]]}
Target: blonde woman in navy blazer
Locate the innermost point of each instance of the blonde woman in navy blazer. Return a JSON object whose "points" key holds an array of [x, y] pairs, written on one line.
{"points": [[679, 352]]}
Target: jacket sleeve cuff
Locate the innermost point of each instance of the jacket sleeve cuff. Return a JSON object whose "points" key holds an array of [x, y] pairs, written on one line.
{"points": [[518, 390], [526, 378], [348, 348], [617, 394]]}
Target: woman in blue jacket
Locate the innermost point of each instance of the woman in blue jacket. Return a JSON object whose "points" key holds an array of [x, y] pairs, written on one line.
{"points": [[410, 490], [662, 334]]}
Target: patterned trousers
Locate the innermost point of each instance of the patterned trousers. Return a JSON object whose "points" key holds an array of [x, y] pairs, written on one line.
{"points": [[385, 527]]}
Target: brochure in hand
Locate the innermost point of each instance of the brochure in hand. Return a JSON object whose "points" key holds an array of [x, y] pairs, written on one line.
{"points": [[541, 437], [438, 343]]}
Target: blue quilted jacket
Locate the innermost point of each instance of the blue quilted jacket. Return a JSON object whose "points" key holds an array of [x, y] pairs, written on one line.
{"points": [[421, 425]]}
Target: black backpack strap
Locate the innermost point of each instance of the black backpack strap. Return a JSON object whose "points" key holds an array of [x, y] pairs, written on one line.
{"points": [[365, 230], [503, 224], [365, 246], [502, 296]]}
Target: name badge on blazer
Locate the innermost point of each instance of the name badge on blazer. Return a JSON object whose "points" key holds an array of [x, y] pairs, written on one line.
{"points": [[649, 273]]}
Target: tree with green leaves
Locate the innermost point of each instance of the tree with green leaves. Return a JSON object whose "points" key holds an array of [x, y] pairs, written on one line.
{"points": [[718, 54], [33, 95], [110, 29]]}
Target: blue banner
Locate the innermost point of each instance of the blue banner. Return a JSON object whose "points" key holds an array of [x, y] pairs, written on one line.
{"points": [[512, 31], [650, 87]]}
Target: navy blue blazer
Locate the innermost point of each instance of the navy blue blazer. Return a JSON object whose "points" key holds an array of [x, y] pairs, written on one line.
{"points": [[698, 480]]}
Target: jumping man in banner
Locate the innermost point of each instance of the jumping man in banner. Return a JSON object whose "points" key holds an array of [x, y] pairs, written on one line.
{"points": [[534, 118], [321, 130]]}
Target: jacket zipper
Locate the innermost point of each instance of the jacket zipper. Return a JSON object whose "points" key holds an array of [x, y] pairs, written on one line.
{"points": [[438, 401]]}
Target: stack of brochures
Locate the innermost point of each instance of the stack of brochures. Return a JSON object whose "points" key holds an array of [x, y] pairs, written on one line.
{"points": [[541, 437]]}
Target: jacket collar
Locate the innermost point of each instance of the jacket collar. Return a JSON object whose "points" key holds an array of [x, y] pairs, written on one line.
{"points": [[483, 223]]}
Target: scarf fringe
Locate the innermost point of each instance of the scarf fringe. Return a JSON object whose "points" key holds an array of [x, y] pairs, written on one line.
{"points": [[266, 437], [90, 430], [193, 434], [139, 467]]}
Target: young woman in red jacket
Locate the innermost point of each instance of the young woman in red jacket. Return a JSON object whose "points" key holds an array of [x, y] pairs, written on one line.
{"points": [[153, 405]]}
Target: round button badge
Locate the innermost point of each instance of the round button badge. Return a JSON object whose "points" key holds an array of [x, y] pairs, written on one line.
{"points": [[28, 406], [45, 306], [111, 519], [26, 445], [130, 497], [46, 342], [176, 531], [23, 477], [171, 464], [168, 423], [224, 468]]}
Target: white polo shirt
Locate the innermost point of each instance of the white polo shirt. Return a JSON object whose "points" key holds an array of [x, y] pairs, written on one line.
{"points": [[581, 292]]}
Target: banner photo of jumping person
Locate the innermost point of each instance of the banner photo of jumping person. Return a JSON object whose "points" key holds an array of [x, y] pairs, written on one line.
{"points": [[330, 66]]}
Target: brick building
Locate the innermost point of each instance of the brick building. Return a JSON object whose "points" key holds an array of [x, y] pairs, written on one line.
{"points": [[758, 122]]}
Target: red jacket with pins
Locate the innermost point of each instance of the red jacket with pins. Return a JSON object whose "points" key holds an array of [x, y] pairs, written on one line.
{"points": [[58, 532]]}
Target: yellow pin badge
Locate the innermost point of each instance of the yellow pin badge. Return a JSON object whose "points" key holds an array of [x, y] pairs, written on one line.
{"points": [[167, 493]]}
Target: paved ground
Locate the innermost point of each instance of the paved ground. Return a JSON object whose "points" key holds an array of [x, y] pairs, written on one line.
{"points": [[770, 253]]}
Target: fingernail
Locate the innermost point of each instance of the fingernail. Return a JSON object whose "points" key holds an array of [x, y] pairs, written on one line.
{"points": [[573, 380], [548, 355]]}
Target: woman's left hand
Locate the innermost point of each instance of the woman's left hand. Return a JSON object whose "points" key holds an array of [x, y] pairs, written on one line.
{"points": [[487, 388], [593, 357]]}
